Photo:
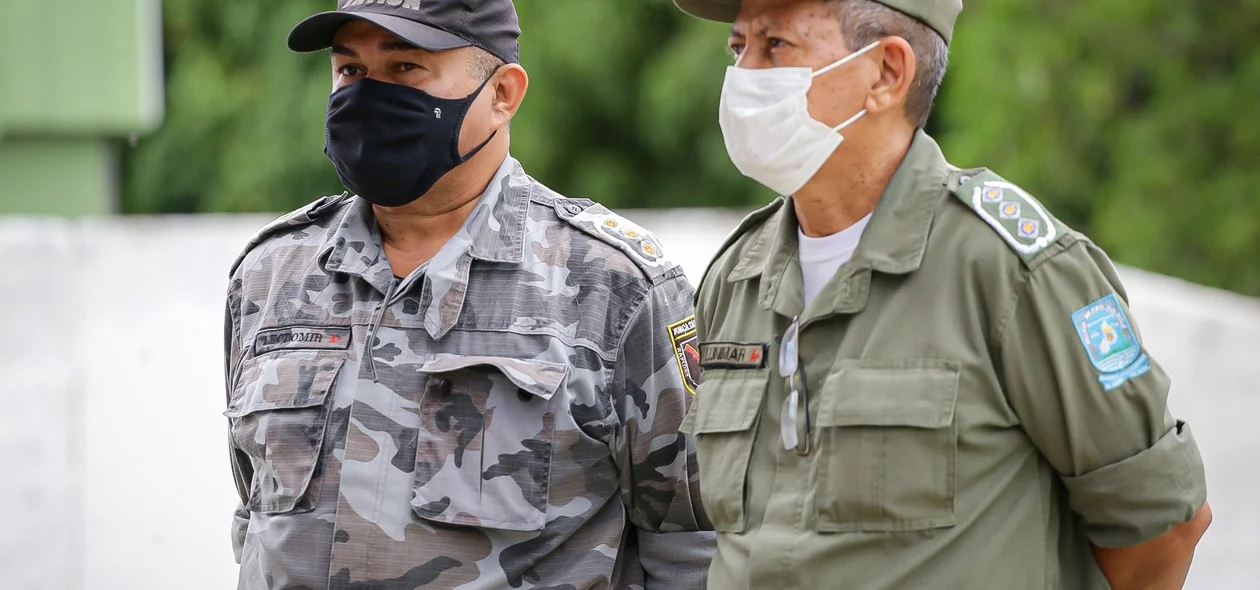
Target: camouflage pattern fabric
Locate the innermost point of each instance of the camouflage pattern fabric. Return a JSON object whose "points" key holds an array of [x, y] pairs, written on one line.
{"points": [[506, 417]]}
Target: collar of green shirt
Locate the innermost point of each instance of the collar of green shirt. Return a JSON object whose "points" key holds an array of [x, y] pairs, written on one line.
{"points": [[494, 232], [893, 243]]}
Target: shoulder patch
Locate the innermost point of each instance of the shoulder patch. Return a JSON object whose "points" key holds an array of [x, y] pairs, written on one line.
{"points": [[682, 336], [1111, 342], [1021, 221], [298, 218], [639, 244]]}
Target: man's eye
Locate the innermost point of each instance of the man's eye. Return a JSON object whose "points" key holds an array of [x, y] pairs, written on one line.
{"points": [[408, 67], [775, 43], [350, 71], [736, 50]]}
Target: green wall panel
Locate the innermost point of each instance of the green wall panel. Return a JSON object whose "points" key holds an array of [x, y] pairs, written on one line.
{"points": [[80, 67], [62, 177]]}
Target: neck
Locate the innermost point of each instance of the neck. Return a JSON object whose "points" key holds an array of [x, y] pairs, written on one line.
{"points": [[848, 187], [414, 233]]}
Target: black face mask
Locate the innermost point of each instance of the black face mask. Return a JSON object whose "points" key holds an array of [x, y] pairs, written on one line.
{"points": [[391, 143]]}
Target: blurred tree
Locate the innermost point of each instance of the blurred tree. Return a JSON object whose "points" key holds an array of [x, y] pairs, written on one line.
{"points": [[624, 112], [243, 127], [1131, 120]]}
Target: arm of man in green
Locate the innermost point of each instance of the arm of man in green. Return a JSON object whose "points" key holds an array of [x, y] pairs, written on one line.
{"points": [[1127, 464]]}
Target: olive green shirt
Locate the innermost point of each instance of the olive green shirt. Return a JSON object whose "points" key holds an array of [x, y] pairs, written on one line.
{"points": [[982, 409]]}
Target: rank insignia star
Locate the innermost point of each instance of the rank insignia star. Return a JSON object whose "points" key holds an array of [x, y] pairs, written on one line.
{"points": [[1028, 228]]}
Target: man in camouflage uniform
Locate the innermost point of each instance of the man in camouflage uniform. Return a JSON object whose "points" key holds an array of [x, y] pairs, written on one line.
{"points": [[915, 377], [479, 388]]}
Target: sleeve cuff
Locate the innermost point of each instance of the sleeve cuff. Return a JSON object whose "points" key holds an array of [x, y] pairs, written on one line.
{"points": [[1144, 496]]}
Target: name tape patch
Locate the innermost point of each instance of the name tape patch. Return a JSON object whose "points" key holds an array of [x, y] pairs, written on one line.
{"points": [[298, 338], [732, 355]]}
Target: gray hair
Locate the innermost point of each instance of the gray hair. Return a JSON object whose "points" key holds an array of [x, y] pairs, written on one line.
{"points": [[482, 63], [865, 21]]}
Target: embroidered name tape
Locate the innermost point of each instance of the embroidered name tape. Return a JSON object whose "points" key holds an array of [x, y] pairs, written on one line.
{"points": [[732, 355], [298, 338]]}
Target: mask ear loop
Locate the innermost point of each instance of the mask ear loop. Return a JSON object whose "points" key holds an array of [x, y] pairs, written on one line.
{"points": [[840, 62], [476, 150], [846, 59], [851, 121]]}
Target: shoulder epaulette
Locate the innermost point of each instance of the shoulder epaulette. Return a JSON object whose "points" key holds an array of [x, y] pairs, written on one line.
{"points": [[298, 218], [597, 220], [1021, 220]]}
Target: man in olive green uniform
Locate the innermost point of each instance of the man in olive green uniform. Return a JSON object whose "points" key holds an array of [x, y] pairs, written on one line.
{"points": [[914, 376]]}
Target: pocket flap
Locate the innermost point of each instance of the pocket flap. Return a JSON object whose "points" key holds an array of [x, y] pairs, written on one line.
{"points": [[728, 400], [285, 381], [540, 378], [917, 393]]}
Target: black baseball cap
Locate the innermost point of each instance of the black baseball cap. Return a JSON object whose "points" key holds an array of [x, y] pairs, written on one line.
{"points": [[436, 25]]}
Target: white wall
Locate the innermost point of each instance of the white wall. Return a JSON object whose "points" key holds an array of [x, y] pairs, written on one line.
{"points": [[114, 469]]}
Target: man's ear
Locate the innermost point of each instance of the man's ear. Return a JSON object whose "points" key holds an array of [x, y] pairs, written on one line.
{"points": [[510, 85], [897, 67]]}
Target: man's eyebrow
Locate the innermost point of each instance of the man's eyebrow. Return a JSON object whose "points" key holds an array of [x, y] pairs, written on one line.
{"points": [[343, 50], [736, 34]]}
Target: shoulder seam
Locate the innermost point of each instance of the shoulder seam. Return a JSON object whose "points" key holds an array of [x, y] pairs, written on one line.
{"points": [[313, 211], [1061, 245], [1026, 276], [624, 327], [637, 308], [1008, 312]]}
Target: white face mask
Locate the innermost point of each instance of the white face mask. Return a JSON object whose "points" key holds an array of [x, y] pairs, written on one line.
{"points": [[766, 125]]}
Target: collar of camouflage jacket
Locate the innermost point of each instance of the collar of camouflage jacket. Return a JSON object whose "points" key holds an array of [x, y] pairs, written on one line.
{"points": [[494, 233], [894, 241]]}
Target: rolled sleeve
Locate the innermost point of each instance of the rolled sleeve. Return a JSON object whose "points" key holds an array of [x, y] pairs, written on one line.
{"points": [[1095, 403], [1140, 498]]}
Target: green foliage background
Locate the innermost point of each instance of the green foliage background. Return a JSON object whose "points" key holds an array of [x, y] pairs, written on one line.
{"points": [[1134, 120]]}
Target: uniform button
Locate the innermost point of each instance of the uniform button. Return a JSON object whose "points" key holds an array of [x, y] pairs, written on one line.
{"points": [[523, 395], [573, 208]]}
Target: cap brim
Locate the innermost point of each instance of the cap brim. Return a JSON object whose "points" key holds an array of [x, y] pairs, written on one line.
{"points": [[723, 11], [316, 33]]}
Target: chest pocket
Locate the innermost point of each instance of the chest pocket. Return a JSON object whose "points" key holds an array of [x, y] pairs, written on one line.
{"points": [[485, 444], [887, 446], [278, 413], [723, 419]]}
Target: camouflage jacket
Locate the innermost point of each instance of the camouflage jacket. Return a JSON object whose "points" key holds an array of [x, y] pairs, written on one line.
{"points": [[505, 417]]}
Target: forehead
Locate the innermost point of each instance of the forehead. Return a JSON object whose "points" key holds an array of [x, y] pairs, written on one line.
{"points": [[764, 16]]}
